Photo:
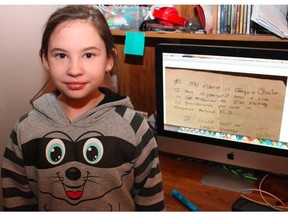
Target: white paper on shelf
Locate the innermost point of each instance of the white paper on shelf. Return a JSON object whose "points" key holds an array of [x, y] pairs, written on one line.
{"points": [[271, 17]]}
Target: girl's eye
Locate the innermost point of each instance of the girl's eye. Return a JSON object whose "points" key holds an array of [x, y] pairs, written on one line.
{"points": [[61, 55], [88, 55]]}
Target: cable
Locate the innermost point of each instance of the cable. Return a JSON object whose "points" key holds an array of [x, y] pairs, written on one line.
{"points": [[261, 192], [239, 172]]}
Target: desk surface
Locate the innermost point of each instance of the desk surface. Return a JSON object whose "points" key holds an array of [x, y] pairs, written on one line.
{"points": [[185, 176]]}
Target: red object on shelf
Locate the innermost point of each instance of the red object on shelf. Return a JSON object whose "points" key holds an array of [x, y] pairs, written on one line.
{"points": [[168, 16], [201, 16]]}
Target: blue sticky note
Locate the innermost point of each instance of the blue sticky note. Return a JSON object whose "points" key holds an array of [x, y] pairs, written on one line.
{"points": [[134, 43]]}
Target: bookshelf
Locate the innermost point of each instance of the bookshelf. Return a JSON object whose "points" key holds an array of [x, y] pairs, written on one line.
{"points": [[136, 74], [215, 36]]}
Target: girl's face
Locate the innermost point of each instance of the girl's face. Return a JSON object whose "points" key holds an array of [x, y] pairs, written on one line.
{"points": [[77, 60]]}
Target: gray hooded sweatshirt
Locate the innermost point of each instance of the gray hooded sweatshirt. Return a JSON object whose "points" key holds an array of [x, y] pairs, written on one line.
{"points": [[105, 160]]}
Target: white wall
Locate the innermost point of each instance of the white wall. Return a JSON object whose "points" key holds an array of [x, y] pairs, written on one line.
{"points": [[21, 73]]}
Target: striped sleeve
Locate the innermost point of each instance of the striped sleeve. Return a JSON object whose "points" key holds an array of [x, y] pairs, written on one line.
{"points": [[148, 189], [17, 195]]}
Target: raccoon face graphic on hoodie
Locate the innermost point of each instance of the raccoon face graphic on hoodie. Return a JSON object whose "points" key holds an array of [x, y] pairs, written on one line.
{"points": [[106, 160]]}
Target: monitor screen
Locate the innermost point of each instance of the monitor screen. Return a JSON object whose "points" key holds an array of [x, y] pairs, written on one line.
{"points": [[223, 104]]}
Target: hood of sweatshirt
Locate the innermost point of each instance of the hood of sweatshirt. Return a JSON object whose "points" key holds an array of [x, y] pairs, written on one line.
{"points": [[48, 108]]}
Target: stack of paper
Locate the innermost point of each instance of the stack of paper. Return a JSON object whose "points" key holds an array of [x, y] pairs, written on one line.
{"points": [[271, 17]]}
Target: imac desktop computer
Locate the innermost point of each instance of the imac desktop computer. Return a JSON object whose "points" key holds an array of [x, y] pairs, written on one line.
{"points": [[223, 104]]}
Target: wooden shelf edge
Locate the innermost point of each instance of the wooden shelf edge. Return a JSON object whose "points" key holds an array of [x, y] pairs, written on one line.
{"points": [[224, 37]]}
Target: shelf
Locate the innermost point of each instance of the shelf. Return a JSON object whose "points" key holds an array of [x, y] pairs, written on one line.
{"points": [[224, 37]]}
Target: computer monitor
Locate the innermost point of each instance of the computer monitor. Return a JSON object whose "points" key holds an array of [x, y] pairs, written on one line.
{"points": [[223, 104]]}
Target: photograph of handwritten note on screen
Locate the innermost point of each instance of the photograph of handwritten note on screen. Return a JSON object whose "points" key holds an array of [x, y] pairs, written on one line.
{"points": [[232, 104], [223, 104]]}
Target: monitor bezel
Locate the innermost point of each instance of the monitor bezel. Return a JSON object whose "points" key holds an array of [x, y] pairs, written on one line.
{"points": [[233, 51]]}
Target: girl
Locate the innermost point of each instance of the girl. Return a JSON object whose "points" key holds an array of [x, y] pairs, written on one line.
{"points": [[82, 147]]}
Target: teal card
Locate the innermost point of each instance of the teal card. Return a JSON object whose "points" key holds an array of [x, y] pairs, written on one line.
{"points": [[134, 43]]}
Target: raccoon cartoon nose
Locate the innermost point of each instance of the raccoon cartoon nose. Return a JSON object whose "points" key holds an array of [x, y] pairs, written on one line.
{"points": [[73, 173]]}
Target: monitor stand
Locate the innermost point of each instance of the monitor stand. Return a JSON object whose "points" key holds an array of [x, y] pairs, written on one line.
{"points": [[218, 177]]}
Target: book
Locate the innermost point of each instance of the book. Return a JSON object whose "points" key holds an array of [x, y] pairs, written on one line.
{"points": [[237, 27], [248, 22]]}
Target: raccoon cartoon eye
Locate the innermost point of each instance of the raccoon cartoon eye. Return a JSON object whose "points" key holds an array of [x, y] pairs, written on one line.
{"points": [[55, 151], [93, 150]]}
